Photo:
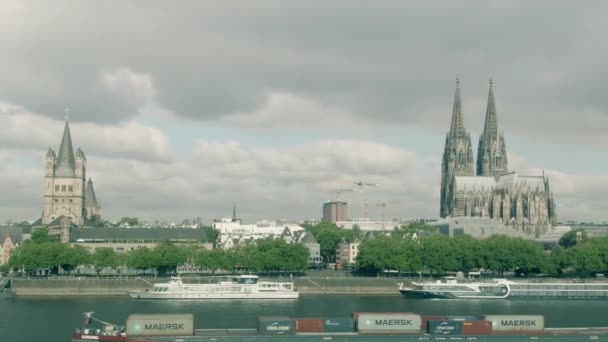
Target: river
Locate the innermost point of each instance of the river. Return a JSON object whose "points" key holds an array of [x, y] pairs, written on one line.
{"points": [[53, 319]]}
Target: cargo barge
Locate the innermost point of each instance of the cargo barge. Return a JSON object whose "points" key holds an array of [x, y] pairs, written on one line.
{"points": [[451, 288], [360, 327]]}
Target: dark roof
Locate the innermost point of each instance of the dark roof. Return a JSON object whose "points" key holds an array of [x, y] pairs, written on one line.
{"points": [[66, 165], [138, 234], [90, 200], [15, 232]]}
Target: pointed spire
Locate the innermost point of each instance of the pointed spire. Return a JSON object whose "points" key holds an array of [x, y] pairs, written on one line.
{"points": [[457, 117], [490, 127], [51, 154], [65, 160], [80, 154], [90, 200], [233, 211]]}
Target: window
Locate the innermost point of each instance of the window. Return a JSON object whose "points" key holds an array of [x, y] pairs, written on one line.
{"points": [[70, 200], [56, 200], [63, 188], [70, 188], [56, 187]]}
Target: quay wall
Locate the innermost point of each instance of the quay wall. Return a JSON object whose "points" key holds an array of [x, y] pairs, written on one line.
{"points": [[75, 286]]}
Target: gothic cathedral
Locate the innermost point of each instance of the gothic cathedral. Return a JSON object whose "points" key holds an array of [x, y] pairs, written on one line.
{"points": [[67, 194], [488, 189]]}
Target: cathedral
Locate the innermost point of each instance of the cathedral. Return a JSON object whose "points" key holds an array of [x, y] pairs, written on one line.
{"points": [[67, 194], [487, 188]]}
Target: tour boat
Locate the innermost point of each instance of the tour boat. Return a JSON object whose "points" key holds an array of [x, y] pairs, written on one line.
{"points": [[450, 288], [237, 287]]}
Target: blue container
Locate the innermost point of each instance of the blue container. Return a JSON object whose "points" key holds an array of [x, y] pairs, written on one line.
{"points": [[444, 327], [281, 325], [339, 325]]}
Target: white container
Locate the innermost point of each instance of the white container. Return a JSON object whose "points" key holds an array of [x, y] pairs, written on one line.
{"points": [[516, 322], [386, 323]]}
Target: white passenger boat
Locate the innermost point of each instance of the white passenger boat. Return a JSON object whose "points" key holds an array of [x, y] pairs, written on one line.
{"points": [[237, 287], [451, 288]]}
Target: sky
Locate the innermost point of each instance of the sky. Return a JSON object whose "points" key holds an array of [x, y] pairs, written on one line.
{"points": [[184, 108]]}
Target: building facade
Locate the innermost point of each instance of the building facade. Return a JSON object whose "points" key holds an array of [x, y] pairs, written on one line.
{"points": [[6, 249], [66, 191], [334, 211], [490, 189]]}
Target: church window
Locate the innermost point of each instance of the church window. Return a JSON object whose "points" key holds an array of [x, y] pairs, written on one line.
{"points": [[63, 188], [70, 188], [56, 187]]}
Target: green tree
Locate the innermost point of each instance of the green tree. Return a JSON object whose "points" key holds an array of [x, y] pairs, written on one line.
{"points": [[167, 256], [141, 259], [131, 221], [41, 235], [211, 234], [70, 257], [104, 257], [571, 238]]}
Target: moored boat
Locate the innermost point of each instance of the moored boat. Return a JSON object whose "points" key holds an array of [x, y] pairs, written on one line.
{"points": [[451, 288], [237, 287]]}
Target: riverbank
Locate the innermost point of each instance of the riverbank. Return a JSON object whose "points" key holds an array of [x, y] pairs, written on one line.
{"points": [[75, 286]]}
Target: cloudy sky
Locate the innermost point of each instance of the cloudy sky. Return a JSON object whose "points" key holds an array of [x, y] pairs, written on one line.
{"points": [[186, 107]]}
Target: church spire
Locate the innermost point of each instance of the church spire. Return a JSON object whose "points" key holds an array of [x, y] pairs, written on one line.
{"points": [[457, 117], [66, 164], [90, 199], [492, 150], [490, 127], [233, 211]]}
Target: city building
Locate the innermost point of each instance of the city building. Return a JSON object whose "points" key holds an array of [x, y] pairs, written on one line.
{"points": [[66, 191], [334, 211], [524, 203], [346, 252], [366, 224], [122, 240], [311, 244], [261, 229], [10, 238]]}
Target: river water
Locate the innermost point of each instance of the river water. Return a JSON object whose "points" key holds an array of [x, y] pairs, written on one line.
{"points": [[53, 319]]}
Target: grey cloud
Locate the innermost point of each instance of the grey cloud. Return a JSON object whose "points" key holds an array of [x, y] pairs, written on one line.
{"points": [[391, 62]]}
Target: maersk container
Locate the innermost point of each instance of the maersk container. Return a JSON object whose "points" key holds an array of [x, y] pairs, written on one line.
{"points": [[516, 322], [444, 327], [160, 325], [339, 325], [271, 325], [388, 323]]}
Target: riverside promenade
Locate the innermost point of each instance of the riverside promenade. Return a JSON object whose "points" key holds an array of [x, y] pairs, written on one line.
{"points": [[91, 286]]}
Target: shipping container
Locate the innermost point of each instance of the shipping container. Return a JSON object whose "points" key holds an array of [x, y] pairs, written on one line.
{"points": [[339, 325], [476, 328], [444, 327], [464, 318], [160, 325], [384, 323], [425, 319], [308, 325], [271, 325], [516, 322]]}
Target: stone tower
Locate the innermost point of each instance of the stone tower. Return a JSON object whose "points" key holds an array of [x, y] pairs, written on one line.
{"points": [[65, 175], [457, 155], [492, 151], [91, 206]]}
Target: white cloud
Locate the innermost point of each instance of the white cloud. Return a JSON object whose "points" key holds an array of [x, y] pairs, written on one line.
{"points": [[137, 87], [286, 110], [127, 140]]}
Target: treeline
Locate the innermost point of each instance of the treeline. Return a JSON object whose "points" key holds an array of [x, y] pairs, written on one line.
{"points": [[438, 254], [47, 253]]}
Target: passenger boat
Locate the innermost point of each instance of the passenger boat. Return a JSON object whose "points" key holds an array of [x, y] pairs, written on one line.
{"points": [[237, 287], [451, 288], [360, 327]]}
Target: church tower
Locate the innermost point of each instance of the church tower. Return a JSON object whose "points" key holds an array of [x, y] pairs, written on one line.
{"points": [[457, 155], [492, 151], [65, 175], [91, 206]]}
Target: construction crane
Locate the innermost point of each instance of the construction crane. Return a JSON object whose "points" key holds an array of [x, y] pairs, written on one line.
{"points": [[361, 185], [383, 205], [340, 191]]}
